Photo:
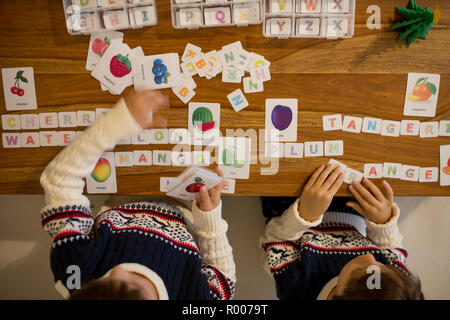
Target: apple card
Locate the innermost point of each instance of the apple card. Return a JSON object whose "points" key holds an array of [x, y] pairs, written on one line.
{"points": [[234, 157], [114, 68], [158, 71], [19, 90], [281, 119], [204, 123], [422, 94], [445, 165], [190, 181], [99, 43], [103, 178]]}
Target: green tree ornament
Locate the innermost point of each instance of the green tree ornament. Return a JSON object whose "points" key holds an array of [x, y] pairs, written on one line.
{"points": [[417, 23]]}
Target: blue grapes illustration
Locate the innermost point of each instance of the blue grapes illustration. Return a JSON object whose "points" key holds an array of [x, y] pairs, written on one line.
{"points": [[160, 71]]}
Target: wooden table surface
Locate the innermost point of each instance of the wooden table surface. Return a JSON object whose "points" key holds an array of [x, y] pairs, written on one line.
{"points": [[362, 76]]}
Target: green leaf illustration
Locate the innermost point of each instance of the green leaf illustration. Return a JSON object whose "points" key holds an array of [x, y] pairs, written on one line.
{"points": [[125, 61], [432, 88], [420, 80], [19, 74], [23, 79]]}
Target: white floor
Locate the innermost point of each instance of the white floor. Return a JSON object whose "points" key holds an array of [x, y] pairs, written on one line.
{"points": [[24, 248]]}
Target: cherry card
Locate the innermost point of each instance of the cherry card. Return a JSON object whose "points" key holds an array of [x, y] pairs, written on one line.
{"points": [[204, 123], [103, 178], [234, 157], [445, 165], [157, 72], [422, 94], [114, 68], [281, 119], [191, 180], [99, 43], [19, 90]]}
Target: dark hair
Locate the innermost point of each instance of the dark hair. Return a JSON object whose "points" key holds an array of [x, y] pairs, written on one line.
{"points": [[107, 289], [396, 285]]}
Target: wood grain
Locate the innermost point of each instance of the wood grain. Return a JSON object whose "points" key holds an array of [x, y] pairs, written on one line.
{"points": [[362, 76]]}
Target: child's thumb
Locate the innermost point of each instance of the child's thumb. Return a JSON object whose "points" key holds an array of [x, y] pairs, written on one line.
{"points": [[205, 200]]}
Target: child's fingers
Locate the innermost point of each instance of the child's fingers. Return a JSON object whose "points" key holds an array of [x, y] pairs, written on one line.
{"points": [[218, 171], [359, 197], [337, 183], [388, 192], [331, 178], [324, 175], [373, 188], [314, 176], [205, 199], [365, 194], [356, 207], [158, 121]]}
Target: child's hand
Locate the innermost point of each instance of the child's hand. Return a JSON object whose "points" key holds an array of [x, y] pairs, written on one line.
{"points": [[209, 200], [144, 104], [373, 204], [319, 191]]}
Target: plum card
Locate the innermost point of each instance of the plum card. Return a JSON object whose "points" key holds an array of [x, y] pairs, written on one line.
{"points": [[114, 68], [281, 119], [421, 94], [445, 165], [234, 157], [157, 71], [204, 123], [188, 184], [19, 90], [103, 178], [99, 43]]}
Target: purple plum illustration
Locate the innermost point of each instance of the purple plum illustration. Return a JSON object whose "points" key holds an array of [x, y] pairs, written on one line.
{"points": [[281, 117]]}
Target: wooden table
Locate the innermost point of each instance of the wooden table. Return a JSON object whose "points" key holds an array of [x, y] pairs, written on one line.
{"points": [[362, 76]]}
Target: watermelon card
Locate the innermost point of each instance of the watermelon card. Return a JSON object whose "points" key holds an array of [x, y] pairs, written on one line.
{"points": [[422, 95], [157, 72], [445, 165], [204, 123], [281, 120], [234, 157], [103, 178]]}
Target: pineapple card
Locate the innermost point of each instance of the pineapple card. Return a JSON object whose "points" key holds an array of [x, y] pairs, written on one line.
{"points": [[157, 72], [99, 43], [421, 95], [204, 123], [114, 68], [19, 90]]}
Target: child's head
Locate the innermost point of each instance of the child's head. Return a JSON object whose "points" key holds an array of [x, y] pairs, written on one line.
{"points": [[118, 284], [394, 283]]}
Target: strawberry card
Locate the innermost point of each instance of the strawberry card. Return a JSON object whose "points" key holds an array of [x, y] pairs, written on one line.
{"points": [[445, 165], [157, 71], [114, 68], [422, 94], [204, 123], [19, 90], [187, 185], [99, 43], [103, 178]]}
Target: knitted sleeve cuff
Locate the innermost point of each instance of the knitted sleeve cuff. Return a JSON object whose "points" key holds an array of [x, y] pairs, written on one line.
{"points": [[387, 234], [209, 224]]}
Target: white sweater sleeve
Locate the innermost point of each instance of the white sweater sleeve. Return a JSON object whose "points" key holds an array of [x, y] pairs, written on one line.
{"points": [[213, 242], [386, 236], [62, 179]]}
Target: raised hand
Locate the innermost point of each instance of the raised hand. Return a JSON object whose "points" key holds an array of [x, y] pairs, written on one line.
{"points": [[144, 105]]}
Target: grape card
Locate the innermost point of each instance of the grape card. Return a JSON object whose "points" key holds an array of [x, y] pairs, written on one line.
{"points": [[99, 43], [190, 181], [19, 90], [445, 165], [422, 94], [103, 178], [234, 157], [157, 72], [281, 119], [204, 123], [114, 68]]}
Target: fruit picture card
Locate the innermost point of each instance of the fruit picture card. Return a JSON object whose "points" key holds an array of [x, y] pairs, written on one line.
{"points": [[422, 94], [157, 71], [99, 43], [281, 120], [19, 90], [103, 178], [204, 123], [234, 157], [445, 165], [114, 68]]}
